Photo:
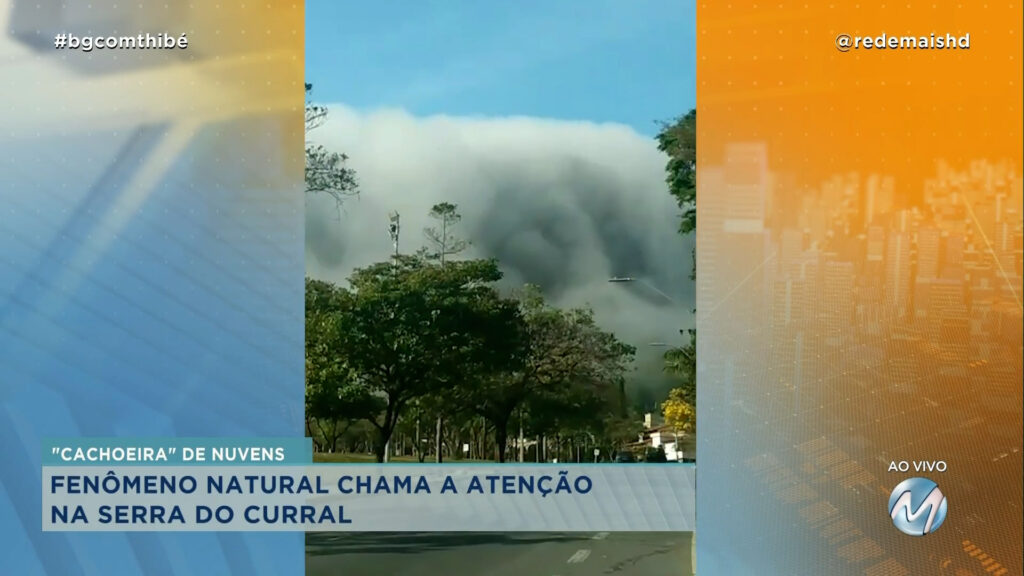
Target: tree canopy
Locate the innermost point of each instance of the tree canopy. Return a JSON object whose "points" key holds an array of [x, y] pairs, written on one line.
{"points": [[678, 412], [571, 368], [326, 171], [679, 141], [409, 329], [442, 242], [682, 362], [333, 398]]}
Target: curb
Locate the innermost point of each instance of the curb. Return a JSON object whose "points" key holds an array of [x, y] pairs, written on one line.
{"points": [[693, 555]]}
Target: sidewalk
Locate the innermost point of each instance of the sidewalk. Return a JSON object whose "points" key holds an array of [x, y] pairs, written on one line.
{"points": [[693, 555]]}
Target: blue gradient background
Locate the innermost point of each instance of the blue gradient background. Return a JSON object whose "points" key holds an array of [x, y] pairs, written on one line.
{"points": [[151, 268]]}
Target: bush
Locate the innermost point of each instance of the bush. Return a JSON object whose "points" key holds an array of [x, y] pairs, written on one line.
{"points": [[656, 455]]}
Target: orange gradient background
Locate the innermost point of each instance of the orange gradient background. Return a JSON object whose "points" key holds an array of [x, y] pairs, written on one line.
{"points": [[859, 285], [771, 72]]}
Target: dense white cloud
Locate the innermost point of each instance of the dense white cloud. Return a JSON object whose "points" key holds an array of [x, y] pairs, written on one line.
{"points": [[565, 205]]}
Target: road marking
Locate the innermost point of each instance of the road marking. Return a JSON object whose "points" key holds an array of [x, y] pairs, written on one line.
{"points": [[599, 536], [579, 556]]}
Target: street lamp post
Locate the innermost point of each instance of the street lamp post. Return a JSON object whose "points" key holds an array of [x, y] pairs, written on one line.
{"points": [[631, 280]]}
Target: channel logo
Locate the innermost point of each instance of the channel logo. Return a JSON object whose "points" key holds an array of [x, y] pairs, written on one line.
{"points": [[917, 506]]}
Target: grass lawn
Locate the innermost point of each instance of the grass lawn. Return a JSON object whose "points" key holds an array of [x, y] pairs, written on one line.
{"points": [[370, 458]]}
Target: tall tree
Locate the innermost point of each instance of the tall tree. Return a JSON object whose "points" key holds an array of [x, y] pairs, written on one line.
{"points": [[442, 243], [620, 431], [326, 171], [441, 239], [409, 329], [682, 362], [678, 140], [334, 400], [569, 365]]}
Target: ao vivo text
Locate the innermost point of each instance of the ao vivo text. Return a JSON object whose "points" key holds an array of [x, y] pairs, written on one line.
{"points": [[917, 466]]}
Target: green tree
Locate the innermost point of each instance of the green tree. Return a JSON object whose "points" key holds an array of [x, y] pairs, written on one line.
{"points": [[442, 243], [682, 362], [655, 455], [410, 329], [569, 363], [326, 171], [577, 410], [678, 140], [621, 431], [334, 400]]}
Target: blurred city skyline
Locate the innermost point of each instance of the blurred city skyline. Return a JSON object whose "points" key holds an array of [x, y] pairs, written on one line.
{"points": [[864, 320]]}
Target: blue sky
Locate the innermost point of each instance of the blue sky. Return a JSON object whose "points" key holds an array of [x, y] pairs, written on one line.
{"points": [[626, 61]]}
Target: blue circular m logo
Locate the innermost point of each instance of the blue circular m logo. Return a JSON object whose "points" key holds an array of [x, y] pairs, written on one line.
{"points": [[917, 506]]}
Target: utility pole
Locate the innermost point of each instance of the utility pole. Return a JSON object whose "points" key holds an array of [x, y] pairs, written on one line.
{"points": [[440, 441], [521, 440], [439, 431], [394, 226], [419, 446]]}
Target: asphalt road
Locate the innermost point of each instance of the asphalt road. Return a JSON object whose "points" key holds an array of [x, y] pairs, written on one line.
{"points": [[499, 554]]}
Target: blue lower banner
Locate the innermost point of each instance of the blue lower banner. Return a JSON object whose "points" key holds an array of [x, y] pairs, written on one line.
{"points": [[203, 485], [371, 498]]}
